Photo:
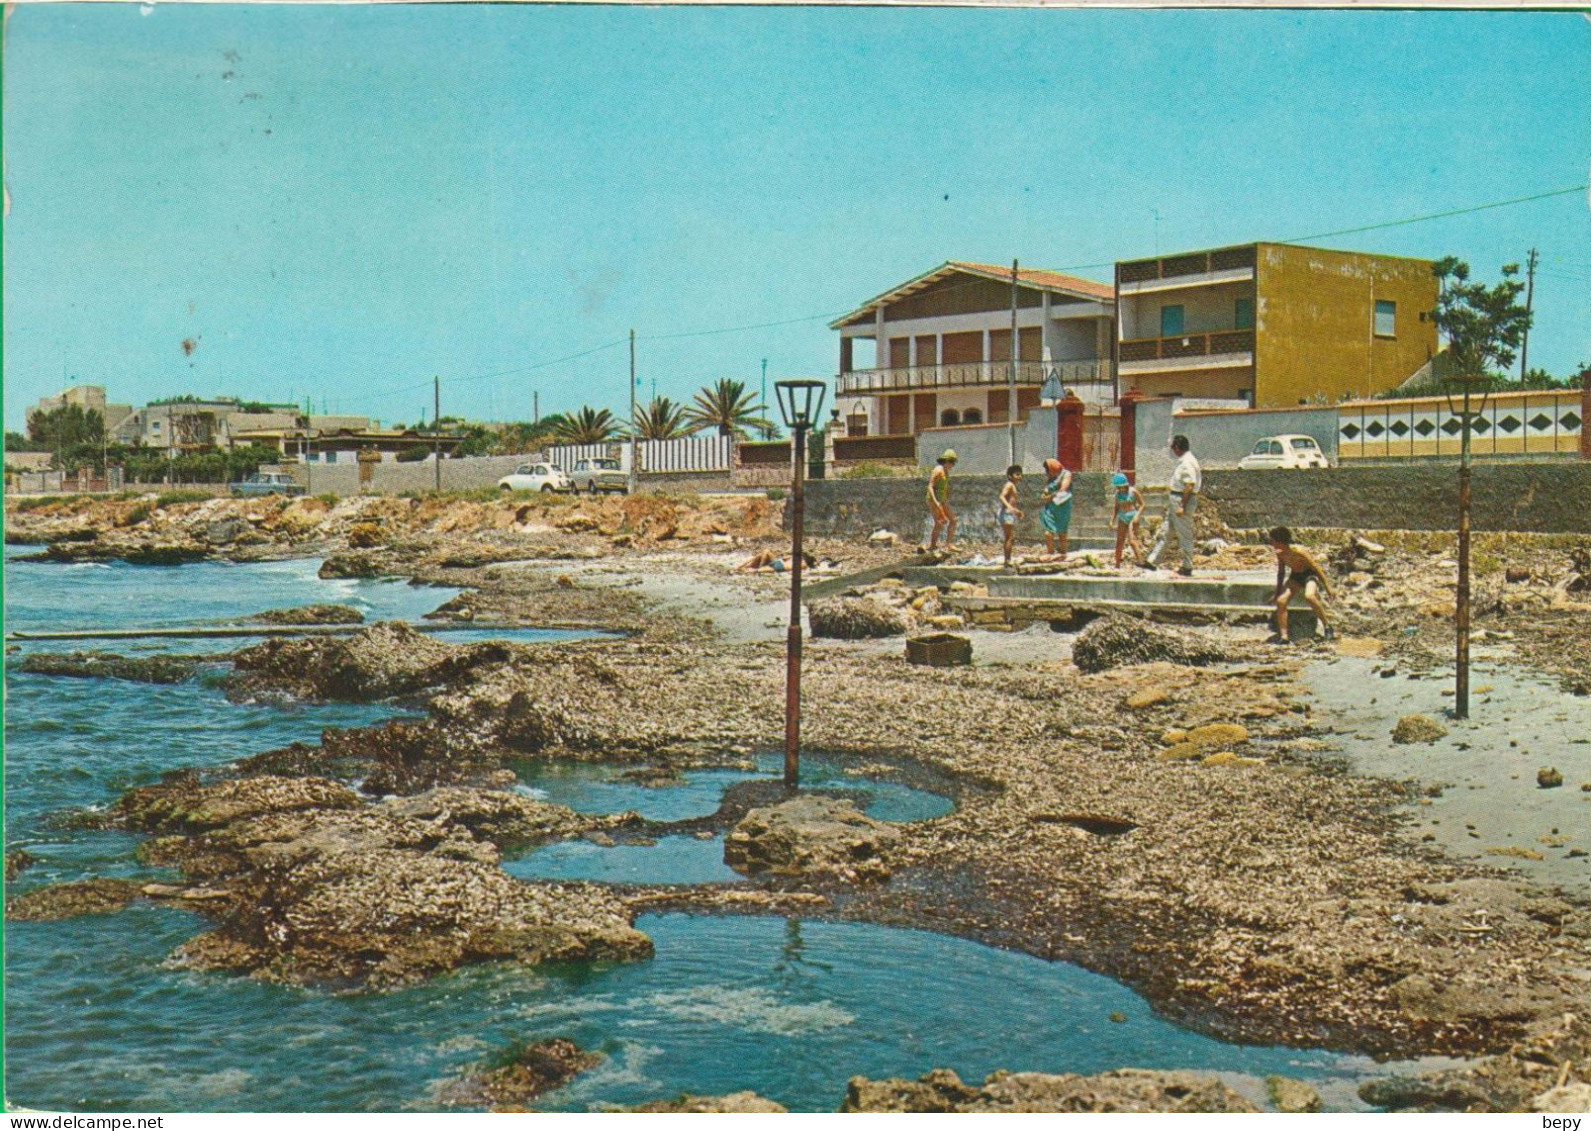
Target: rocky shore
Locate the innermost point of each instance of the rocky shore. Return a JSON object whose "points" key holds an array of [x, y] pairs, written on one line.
{"points": [[1166, 816]]}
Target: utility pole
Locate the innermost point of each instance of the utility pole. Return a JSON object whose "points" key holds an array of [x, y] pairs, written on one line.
{"points": [[764, 406], [632, 411], [436, 427], [1010, 393], [1530, 291], [535, 407]]}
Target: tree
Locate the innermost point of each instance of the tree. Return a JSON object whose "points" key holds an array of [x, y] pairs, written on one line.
{"points": [[588, 426], [1483, 325], [66, 426], [728, 407], [660, 420]]}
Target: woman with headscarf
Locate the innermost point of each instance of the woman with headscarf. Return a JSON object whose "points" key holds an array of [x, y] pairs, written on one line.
{"points": [[1056, 515]]}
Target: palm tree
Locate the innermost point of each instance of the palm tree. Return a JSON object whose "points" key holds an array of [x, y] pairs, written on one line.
{"points": [[727, 406], [660, 420], [588, 426]]}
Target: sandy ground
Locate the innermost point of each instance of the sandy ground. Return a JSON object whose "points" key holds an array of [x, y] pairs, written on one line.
{"points": [[1484, 770]]}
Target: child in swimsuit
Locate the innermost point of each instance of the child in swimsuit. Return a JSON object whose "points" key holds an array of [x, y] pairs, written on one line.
{"points": [[1297, 572], [1008, 511], [1129, 505]]}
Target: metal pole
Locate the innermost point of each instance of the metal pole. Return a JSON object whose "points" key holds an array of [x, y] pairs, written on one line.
{"points": [[766, 433], [631, 488], [1530, 291], [1461, 613], [792, 684], [436, 425], [1010, 395]]}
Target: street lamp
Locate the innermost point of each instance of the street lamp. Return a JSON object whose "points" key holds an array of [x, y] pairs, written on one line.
{"points": [[800, 402], [1461, 597]]}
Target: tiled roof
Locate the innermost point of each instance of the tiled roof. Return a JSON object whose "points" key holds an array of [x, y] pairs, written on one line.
{"points": [[1033, 277]]}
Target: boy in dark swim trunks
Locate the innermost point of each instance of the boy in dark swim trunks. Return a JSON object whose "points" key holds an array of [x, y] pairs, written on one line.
{"points": [[1297, 572]]}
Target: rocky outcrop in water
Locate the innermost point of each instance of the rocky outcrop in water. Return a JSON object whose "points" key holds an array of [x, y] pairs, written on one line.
{"points": [[1115, 641], [813, 837], [354, 564], [162, 668], [80, 897], [311, 614], [1125, 1090], [18, 860], [311, 885], [519, 1074], [385, 660], [743, 1103]]}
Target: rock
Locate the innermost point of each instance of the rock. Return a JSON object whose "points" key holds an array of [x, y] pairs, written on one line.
{"points": [[364, 536], [883, 538], [1181, 752], [18, 860], [161, 668], [506, 819], [1548, 778], [1174, 736], [1125, 1090], [1442, 1092], [351, 565], [382, 661], [1147, 697], [1566, 1098], [183, 805], [854, 618], [735, 1102], [812, 836], [521, 1073], [1291, 1096], [226, 530], [1114, 641], [1228, 758], [1417, 728], [80, 897], [1472, 1000], [948, 621], [1516, 574], [1215, 735], [311, 614]]}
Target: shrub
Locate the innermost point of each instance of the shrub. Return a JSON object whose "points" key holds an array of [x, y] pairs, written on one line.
{"points": [[174, 498], [330, 498], [776, 494], [872, 469]]}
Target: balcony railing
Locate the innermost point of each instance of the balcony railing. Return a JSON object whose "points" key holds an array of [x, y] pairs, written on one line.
{"points": [[1198, 263], [923, 378], [1188, 345]]}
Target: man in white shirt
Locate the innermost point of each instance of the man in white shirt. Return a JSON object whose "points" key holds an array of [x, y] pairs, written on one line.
{"points": [[1186, 481]]}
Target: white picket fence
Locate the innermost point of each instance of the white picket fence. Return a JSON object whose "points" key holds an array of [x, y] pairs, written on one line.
{"points": [[689, 453]]}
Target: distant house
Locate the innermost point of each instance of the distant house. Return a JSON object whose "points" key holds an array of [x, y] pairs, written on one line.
{"points": [[332, 439], [91, 397], [942, 347], [1273, 324]]}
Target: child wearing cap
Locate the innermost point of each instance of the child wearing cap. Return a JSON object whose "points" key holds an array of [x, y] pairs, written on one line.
{"points": [[1056, 515], [939, 502], [1129, 507]]}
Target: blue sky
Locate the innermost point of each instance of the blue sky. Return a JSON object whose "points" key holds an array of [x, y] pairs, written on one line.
{"points": [[339, 202]]}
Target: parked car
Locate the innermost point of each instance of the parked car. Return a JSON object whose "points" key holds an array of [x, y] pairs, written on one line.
{"points": [[1285, 451], [268, 483], [600, 475], [536, 477]]}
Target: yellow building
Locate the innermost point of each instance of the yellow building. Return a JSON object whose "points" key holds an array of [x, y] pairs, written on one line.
{"points": [[1273, 324]]}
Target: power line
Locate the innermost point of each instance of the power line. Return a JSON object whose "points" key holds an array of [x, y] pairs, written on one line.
{"points": [[1442, 215]]}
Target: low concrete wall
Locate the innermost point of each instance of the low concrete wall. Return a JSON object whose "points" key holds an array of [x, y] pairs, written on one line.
{"points": [[684, 482], [985, 449], [1549, 497], [1220, 439]]}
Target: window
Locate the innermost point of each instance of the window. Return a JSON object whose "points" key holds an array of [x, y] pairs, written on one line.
{"points": [[972, 416], [1243, 314], [1276, 448], [1262, 448], [1303, 444], [949, 418], [1386, 319], [1170, 321]]}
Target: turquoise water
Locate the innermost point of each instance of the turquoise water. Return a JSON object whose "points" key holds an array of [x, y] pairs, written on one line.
{"points": [[95, 1021]]}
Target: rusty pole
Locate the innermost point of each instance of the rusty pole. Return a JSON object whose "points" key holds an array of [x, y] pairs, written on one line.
{"points": [[1461, 613], [792, 685]]}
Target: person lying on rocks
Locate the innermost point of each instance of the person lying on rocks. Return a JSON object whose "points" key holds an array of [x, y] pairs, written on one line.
{"points": [[1297, 572], [770, 561]]}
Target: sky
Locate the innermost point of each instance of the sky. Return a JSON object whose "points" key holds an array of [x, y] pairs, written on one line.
{"points": [[340, 203]]}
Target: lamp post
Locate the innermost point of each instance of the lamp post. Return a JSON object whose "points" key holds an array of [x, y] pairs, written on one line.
{"points": [[800, 402], [1461, 611]]}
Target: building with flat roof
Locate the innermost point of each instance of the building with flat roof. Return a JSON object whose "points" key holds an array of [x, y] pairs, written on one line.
{"points": [[1273, 324]]}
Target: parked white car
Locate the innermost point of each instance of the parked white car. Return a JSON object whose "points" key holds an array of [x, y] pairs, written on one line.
{"points": [[1285, 451], [536, 477]]}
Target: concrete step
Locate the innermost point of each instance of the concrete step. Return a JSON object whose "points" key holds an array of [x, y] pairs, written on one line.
{"points": [[1038, 609], [1238, 590]]}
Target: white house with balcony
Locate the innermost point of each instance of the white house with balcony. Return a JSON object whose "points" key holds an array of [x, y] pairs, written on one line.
{"points": [[936, 351]]}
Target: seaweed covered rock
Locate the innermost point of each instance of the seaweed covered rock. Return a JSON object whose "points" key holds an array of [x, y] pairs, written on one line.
{"points": [[357, 565], [854, 618], [814, 837], [1125, 1090], [382, 661], [183, 804], [161, 668], [1116, 641], [311, 614], [1417, 728], [734, 1102], [520, 1073], [80, 897]]}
